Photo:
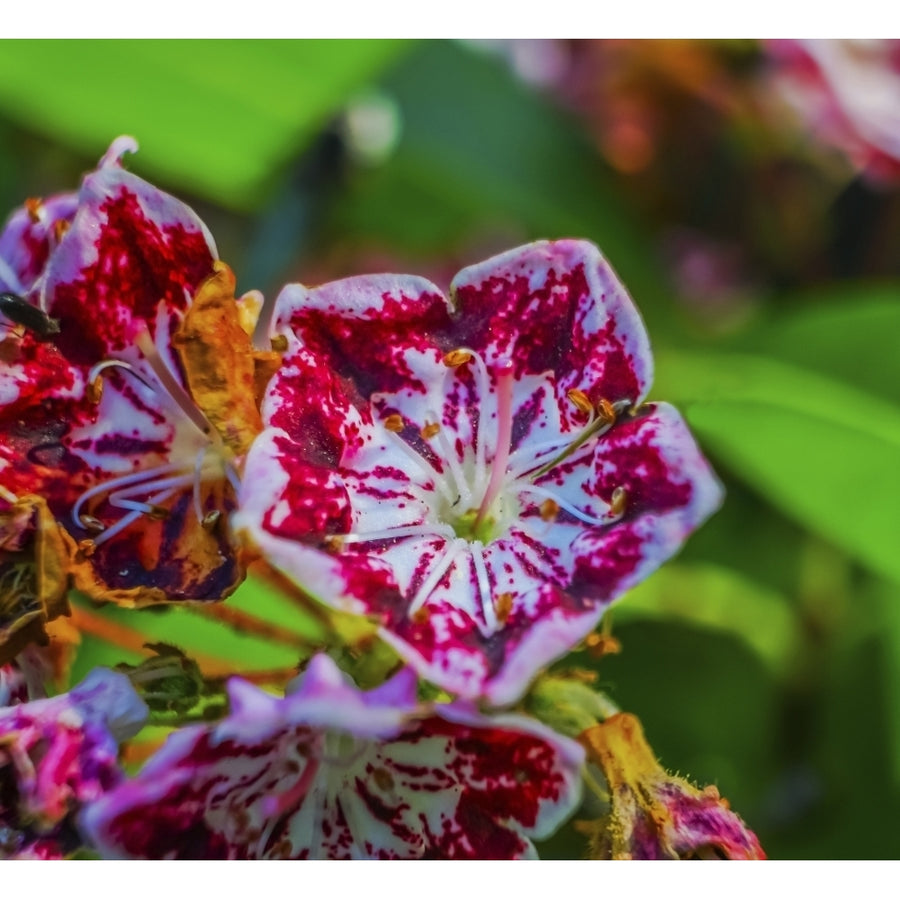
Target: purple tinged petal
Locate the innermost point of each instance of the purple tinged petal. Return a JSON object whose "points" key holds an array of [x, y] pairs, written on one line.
{"points": [[448, 782]]}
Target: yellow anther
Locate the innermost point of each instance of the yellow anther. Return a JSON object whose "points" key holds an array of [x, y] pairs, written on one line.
{"points": [[333, 543], [581, 400], [607, 410], [549, 510], [618, 501], [157, 512], [211, 519], [91, 524], [94, 390], [458, 357], [420, 616], [394, 422], [602, 644], [279, 343], [503, 606], [430, 430], [34, 206], [60, 227], [383, 778], [86, 548]]}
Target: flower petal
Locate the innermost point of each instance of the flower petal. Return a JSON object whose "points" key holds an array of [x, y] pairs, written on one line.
{"points": [[331, 772], [382, 484], [58, 754]]}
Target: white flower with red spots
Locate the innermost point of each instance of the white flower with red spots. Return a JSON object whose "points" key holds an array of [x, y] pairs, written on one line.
{"points": [[481, 475], [331, 772], [134, 472], [58, 754]]}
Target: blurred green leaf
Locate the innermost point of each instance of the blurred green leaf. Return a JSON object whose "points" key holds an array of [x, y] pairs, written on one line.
{"points": [[715, 597], [482, 153], [218, 118], [193, 632], [823, 452], [847, 331]]}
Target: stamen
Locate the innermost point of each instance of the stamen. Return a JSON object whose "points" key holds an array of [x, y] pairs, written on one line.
{"points": [[504, 437], [232, 475], [198, 469], [549, 510], [537, 454], [458, 357], [503, 606], [120, 482], [598, 427], [60, 227], [387, 534], [95, 383], [607, 410], [618, 501], [483, 389], [587, 518], [128, 520], [449, 456], [169, 382], [34, 206], [424, 465], [279, 343], [454, 548], [581, 400], [484, 589], [394, 422], [429, 431]]}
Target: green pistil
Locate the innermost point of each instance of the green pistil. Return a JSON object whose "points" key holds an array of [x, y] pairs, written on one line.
{"points": [[470, 527]]}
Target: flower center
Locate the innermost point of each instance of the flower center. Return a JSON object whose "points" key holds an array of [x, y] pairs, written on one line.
{"points": [[484, 487], [197, 459]]}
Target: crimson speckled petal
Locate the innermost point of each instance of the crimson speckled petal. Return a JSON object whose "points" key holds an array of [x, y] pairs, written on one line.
{"points": [[29, 236], [330, 772], [116, 283], [480, 474], [58, 754]]}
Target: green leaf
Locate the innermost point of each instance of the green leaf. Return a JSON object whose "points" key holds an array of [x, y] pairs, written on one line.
{"points": [[824, 453], [848, 332], [192, 631], [715, 597], [217, 118], [483, 156]]}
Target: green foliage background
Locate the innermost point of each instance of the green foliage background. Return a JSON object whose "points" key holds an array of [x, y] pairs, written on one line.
{"points": [[766, 657]]}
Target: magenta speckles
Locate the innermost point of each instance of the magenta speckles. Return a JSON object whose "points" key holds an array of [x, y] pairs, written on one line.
{"points": [[330, 772], [480, 475], [116, 266], [58, 754]]}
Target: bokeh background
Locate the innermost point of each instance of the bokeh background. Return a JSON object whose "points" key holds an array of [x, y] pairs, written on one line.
{"points": [[747, 193]]}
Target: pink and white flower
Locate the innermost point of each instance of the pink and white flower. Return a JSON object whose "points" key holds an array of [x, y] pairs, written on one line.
{"points": [[58, 754], [479, 474], [331, 772], [115, 270], [847, 93]]}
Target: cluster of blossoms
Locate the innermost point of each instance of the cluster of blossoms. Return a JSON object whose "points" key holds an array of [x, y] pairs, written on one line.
{"points": [[478, 475]]}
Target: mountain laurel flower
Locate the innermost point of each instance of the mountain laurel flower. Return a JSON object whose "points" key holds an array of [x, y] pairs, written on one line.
{"points": [[655, 815], [847, 94], [58, 754], [331, 772], [122, 351], [481, 475]]}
